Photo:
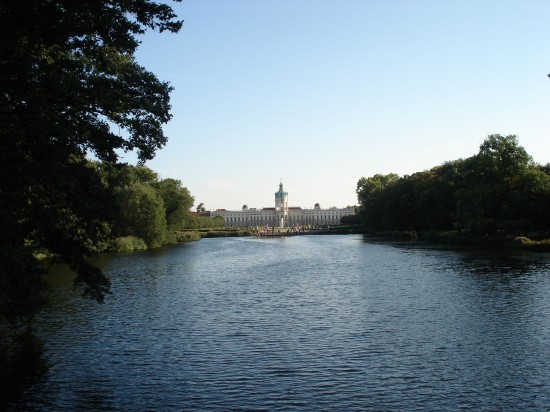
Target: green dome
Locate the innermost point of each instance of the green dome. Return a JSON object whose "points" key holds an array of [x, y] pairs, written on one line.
{"points": [[280, 194]]}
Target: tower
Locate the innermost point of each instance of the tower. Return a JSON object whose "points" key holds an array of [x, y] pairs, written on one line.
{"points": [[281, 204]]}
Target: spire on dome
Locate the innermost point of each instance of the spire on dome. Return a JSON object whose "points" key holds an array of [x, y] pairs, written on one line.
{"points": [[281, 194]]}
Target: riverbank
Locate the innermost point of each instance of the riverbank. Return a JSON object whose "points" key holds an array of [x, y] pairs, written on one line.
{"points": [[538, 242], [134, 243], [282, 232]]}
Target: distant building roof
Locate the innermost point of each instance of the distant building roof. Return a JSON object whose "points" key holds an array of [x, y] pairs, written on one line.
{"points": [[200, 213], [268, 208]]}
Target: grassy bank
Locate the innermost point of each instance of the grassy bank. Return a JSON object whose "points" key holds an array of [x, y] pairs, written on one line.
{"points": [[541, 245], [459, 238], [227, 232], [134, 243]]}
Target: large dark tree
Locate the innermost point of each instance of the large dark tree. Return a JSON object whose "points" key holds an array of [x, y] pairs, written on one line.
{"points": [[371, 194], [69, 86]]}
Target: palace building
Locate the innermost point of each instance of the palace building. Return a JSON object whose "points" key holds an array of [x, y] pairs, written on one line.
{"points": [[282, 215]]}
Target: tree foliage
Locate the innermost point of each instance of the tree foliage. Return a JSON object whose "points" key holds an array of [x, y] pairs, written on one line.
{"points": [[70, 86], [204, 222], [141, 214], [177, 202], [371, 193], [148, 207], [498, 190]]}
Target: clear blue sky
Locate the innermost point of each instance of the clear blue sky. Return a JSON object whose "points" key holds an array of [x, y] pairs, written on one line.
{"points": [[319, 93]]}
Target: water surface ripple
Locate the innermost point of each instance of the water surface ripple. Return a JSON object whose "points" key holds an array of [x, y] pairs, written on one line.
{"points": [[303, 323]]}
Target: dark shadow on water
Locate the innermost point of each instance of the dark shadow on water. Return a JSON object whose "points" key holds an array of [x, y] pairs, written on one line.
{"points": [[22, 364]]}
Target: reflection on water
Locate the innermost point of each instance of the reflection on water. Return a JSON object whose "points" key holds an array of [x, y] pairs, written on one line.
{"points": [[22, 364], [302, 323]]}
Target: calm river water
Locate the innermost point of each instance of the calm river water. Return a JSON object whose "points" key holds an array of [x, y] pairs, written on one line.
{"points": [[303, 323]]}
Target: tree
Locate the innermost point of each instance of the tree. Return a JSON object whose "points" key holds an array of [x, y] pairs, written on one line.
{"points": [[70, 86], [504, 155], [201, 208], [370, 195], [490, 194], [141, 214], [177, 202], [354, 219]]}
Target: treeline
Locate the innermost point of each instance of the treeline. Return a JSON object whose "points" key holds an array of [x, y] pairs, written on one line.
{"points": [[498, 191], [146, 211]]}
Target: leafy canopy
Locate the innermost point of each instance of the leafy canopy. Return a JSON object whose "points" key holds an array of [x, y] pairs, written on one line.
{"points": [[70, 86], [500, 190]]}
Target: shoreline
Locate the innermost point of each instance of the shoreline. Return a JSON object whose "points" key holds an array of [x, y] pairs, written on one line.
{"points": [[448, 239]]}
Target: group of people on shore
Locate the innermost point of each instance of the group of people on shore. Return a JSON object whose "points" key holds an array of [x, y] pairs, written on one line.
{"points": [[276, 231]]}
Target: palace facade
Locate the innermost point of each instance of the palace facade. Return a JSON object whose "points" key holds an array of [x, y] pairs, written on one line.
{"points": [[282, 215]]}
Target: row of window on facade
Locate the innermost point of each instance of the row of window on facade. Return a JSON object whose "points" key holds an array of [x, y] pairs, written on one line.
{"points": [[312, 214], [274, 218]]}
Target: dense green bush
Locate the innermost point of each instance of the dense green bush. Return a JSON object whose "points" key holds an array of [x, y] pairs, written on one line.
{"points": [[128, 244], [141, 213], [187, 236]]}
